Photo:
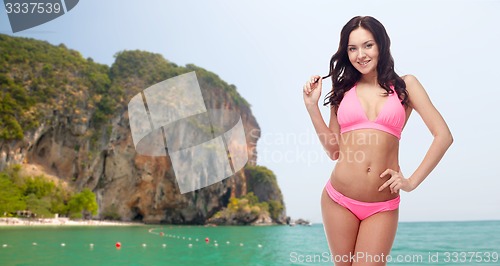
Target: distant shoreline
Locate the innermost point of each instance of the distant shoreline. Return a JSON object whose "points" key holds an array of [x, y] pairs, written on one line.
{"points": [[5, 221]]}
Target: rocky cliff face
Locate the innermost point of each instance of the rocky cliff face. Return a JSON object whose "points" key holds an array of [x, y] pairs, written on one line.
{"points": [[76, 141]]}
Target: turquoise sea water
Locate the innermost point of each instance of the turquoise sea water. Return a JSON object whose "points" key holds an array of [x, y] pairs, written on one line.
{"points": [[433, 243]]}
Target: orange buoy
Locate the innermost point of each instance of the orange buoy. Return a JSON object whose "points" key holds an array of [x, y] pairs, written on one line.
{"points": [[207, 239], [162, 234], [118, 245]]}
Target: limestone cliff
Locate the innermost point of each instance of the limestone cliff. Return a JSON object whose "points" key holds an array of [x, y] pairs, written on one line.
{"points": [[67, 116]]}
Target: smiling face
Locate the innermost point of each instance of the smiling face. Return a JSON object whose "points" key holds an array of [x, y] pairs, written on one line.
{"points": [[363, 51]]}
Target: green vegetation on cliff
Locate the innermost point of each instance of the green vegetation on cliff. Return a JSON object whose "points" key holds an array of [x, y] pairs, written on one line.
{"points": [[242, 210], [263, 197], [215, 81], [263, 183], [39, 80], [260, 175], [42, 197]]}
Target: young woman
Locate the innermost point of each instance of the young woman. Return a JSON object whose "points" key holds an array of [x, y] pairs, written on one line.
{"points": [[370, 105]]}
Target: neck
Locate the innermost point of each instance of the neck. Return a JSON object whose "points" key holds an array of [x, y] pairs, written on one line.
{"points": [[370, 79]]}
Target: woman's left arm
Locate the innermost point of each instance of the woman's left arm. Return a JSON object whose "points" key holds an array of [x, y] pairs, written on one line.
{"points": [[420, 102]]}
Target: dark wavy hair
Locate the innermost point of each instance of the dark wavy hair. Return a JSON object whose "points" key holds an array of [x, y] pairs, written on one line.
{"points": [[343, 73]]}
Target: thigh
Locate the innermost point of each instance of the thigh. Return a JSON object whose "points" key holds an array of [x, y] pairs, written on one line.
{"points": [[375, 238], [341, 228]]}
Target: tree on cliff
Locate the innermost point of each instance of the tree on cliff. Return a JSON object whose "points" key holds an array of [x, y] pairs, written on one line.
{"points": [[262, 182], [11, 197], [83, 204]]}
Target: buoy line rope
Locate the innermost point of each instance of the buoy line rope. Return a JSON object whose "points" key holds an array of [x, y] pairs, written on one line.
{"points": [[208, 241], [118, 245]]}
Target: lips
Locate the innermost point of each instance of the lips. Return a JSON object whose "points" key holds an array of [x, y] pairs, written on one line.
{"points": [[364, 63]]}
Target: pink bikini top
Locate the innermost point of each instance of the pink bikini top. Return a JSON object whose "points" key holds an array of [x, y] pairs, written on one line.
{"points": [[351, 115]]}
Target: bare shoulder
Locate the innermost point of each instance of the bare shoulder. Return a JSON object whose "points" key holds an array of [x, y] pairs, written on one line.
{"points": [[411, 81], [412, 84], [417, 95]]}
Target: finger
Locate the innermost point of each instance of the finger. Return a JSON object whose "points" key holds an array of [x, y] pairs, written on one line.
{"points": [[312, 84], [318, 81], [387, 171], [394, 187], [309, 84], [308, 87], [385, 185], [388, 183], [382, 187]]}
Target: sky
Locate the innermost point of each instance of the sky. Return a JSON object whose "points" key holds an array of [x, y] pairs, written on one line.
{"points": [[268, 49]]}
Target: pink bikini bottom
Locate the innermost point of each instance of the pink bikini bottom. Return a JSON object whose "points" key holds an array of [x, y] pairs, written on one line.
{"points": [[361, 209]]}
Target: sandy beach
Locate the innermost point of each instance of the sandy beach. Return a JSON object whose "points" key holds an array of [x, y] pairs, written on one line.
{"points": [[4, 221]]}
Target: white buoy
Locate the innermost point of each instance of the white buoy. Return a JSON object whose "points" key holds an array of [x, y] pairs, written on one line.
{"points": [[189, 239], [197, 239], [216, 244], [144, 245], [227, 242], [91, 245], [63, 245], [4, 245], [183, 237], [241, 244], [34, 243], [259, 245], [190, 245], [164, 245]]}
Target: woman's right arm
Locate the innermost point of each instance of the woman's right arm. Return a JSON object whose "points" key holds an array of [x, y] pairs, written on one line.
{"points": [[328, 135]]}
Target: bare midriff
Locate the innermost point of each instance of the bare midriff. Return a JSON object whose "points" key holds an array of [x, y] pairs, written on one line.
{"points": [[364, 154]]}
